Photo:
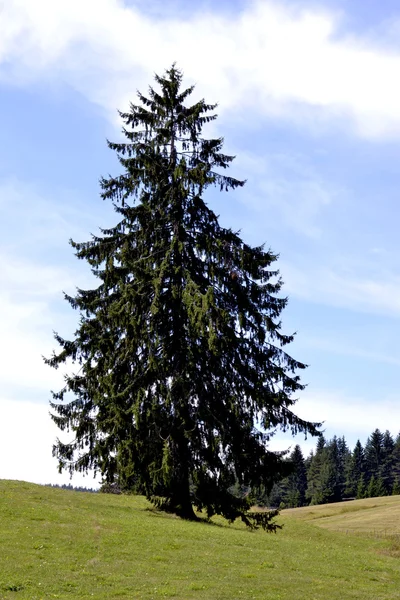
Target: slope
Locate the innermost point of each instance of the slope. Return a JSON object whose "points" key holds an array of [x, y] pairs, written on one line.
{"points": [[372, 516], [63, 544]]}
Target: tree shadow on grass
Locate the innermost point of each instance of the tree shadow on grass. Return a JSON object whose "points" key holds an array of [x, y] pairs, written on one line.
{"points": [[202, 520]]}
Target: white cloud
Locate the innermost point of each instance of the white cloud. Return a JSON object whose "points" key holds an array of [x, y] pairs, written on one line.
{"points": [[342, 415], [270, 58], [31, 300], [27, 435], [348, 415], [347, 288], [31, 306], [26, 334]]}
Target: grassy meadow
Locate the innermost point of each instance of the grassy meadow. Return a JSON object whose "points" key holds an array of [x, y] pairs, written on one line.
{"points": [[377, 517], [63, 544]]}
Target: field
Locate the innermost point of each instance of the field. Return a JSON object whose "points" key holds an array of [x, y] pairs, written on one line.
{"points": [[63, 544], [379, 517]]}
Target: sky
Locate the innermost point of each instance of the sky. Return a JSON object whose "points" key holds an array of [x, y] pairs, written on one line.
{"points": [[308, 100]]}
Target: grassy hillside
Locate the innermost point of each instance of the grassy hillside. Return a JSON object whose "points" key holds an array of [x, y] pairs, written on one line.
{"points": [[62, 544], [372, 516]]}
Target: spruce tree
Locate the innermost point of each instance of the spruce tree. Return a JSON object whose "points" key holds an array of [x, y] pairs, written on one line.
{"points": [[375, 487], [313, 493], [182, 371], [361, 488], [328, 485], [396, 460], [387, 462], [333, 472], [296, 486], [374, 454], [396, 488], [344, 464], [355, 470]]}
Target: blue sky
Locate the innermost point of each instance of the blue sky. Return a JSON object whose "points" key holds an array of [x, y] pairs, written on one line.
{"points": [[309, 102]]}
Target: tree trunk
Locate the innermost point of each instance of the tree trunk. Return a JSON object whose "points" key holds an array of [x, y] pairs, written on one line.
{"points": [[181, 504]]}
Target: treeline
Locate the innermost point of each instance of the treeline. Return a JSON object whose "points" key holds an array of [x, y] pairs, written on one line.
{"points": [[333, 472], [69, 486]]}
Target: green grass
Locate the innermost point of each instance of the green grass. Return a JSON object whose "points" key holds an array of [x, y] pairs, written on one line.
{"points": [[62, 544]]}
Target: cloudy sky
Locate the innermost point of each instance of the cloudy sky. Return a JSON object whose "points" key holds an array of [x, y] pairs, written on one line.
{"points": [[309, 102]]}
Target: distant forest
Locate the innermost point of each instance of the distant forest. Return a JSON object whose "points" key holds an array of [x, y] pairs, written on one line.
{"points": [[69, 486], [333, 472]]}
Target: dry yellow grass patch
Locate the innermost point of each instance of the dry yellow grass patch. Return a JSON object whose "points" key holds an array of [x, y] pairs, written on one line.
{"points": [[374, 516]]}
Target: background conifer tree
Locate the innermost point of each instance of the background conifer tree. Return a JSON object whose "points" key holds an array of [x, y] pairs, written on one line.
{"points": [[182, 371], [396, 460], [396, 487], [375, 487], [374, 455], [387, 463], [344, 464], [355, 470], [313, 493], [361, 488], [332, 472], [297, 481]]}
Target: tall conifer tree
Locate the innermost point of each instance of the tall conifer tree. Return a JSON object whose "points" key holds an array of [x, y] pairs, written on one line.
{"points": [[356, 470], [386, 470], [374, 454], [182, 368], [313, 493], [297, 481], [344, 462], [396, 462], [332, 480]]}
